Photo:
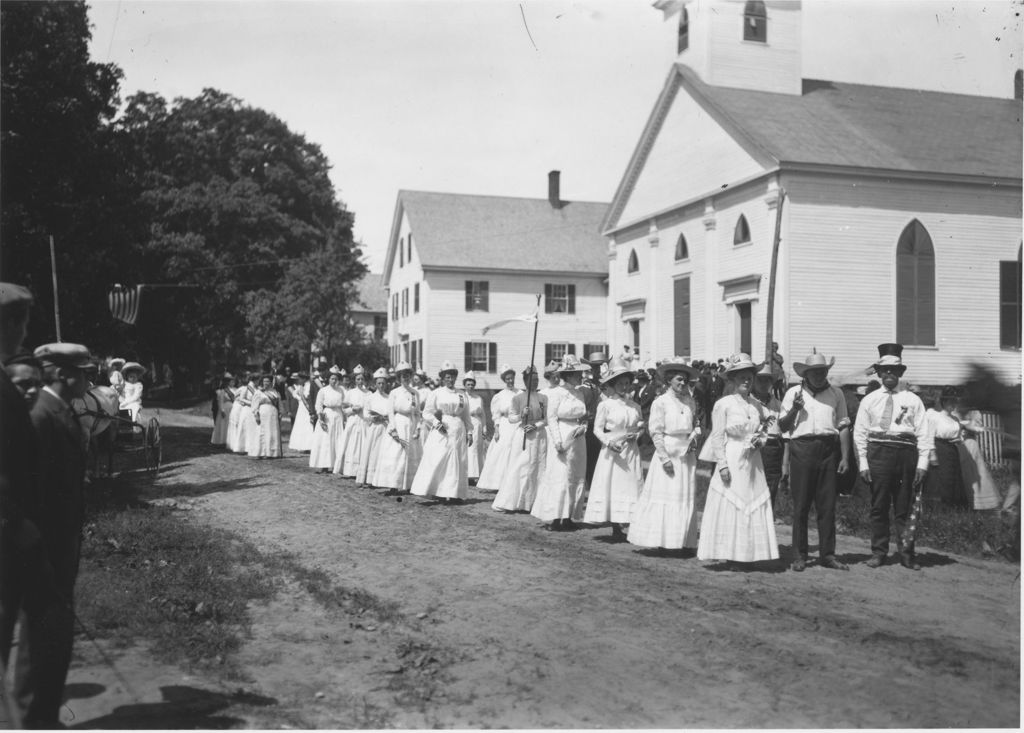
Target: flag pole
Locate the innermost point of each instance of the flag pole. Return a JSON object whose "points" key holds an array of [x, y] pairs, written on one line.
{"points": [[53, 269], [529, 379]]}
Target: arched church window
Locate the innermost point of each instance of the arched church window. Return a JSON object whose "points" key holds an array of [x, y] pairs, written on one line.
{"points": [[755, 22], [915, 286], [682, 250], [634, 262], [741, 235], [684, 31]]}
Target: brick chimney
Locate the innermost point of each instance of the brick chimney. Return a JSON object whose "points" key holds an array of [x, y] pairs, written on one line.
{"points": [[554, 193]]}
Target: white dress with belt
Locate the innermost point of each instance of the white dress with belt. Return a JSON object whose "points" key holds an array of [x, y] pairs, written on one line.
{"points": [[346, 463], [328, 432], [664, 515], [375, 425], [476, 453], [301, 438], [267, 442], [400, 448], [617, 475], [737, 523], [526, 465], [443, 468], [497, 453], [561, 491]]}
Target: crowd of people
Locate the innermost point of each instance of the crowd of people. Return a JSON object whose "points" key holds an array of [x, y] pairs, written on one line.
{"points": [[604, 443]]}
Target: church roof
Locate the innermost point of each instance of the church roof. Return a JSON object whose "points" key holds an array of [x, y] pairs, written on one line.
{"points": [[465, 231], [372, 298], [853, 126], [862, 126]]}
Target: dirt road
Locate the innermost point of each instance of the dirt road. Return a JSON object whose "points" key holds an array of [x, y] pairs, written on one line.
{"points": [[500, 624]]}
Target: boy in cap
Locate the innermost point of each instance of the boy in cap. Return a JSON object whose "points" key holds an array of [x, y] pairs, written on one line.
{"points": [[893, 443]]}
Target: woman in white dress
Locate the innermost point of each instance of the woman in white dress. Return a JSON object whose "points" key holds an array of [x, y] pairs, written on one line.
{"points": [[618, 476], [346, 464], [476, 454], [131, 399], [301, 438], [664, 515], [224, 399], [498, 451], [419, 383], [237, 418], [977, 478], [551, 375], [526, 465], [400, 450], [737, 524], [115, 376], [266, 411], [560, 494], [375, 425], [442, 471], [330, 424]]}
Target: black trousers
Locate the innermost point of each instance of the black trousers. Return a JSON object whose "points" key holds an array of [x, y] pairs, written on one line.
{"points": [[771, 456], [893, 467], [813, 462]]}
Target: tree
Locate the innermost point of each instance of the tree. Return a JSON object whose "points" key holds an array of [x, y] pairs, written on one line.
{"points": [[55, 109]]}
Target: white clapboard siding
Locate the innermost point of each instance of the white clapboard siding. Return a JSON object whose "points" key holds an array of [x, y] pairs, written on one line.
{"points": [[774, 66], [692, 154]]}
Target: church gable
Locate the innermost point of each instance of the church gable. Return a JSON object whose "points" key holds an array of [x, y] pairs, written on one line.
{"points": [[688, 155]]}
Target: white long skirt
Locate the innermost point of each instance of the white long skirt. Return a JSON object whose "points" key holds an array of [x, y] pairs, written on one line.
{"points": [[234, 422], [442, 471], [664, 514], [374, 435], [220, 427], [324, 446], [301, 438], [738, 523], [347, 463], [267, 442], [496, 461], [615, 486], [526, 467], [561, 491], [476, 454], [248, 432], [397, 464]]}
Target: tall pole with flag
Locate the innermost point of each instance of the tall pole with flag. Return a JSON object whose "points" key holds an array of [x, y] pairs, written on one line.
{"points": [[527, 318]]}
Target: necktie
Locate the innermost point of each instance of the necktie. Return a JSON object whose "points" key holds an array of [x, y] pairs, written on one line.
{"points": [[886, 422]]}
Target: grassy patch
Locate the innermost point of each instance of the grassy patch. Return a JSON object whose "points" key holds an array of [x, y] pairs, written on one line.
{"points": [[148, 574]]}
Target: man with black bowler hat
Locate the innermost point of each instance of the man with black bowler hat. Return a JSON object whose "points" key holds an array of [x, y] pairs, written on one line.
{"points": [[893, 442], [814, 420]]}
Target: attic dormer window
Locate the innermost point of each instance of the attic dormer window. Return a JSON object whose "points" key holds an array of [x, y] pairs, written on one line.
{"points": [[684, 31], [741, 235], [755, 22], [401, 252]]}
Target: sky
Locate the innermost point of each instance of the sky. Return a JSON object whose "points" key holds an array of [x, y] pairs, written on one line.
{"points": [[487, 96]]}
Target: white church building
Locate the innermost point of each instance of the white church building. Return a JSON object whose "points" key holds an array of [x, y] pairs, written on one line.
{"points": [[901, 219]]}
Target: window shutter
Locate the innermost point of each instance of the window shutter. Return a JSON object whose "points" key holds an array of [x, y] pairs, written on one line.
{"points": [[485, 295], [571, 349], [571, 290], [547, 299], [469, 357], [547, 354], [492, 357], [681, 294], [469, 295]]}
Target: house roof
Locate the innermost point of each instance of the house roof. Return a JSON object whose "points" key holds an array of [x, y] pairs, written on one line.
{"points": [[502, 233], [856, 126], [372, 298]]}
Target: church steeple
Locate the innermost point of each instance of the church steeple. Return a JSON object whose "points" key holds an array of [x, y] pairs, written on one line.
{"points": [[745, 44]]}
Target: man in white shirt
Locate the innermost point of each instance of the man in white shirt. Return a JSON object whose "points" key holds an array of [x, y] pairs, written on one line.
{"points": [[893, 444], [815, 421]]}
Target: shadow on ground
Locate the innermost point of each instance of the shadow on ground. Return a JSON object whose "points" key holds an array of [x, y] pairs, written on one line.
{"points": [[181, 707]]}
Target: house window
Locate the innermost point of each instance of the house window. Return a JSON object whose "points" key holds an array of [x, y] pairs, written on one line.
{"points": [[416, 298], [394, 307], [419, 350], [401, 252], [755, 22], [476, 295], [741, 235], [634, 262], [380, 327], [559, 298], [915, 286], [682, 250], [681, 326], [684, 31], [415, 355], [1010, 304], [481, 356], [405, 302], [409, 255], [589, 349], [557, 350]]}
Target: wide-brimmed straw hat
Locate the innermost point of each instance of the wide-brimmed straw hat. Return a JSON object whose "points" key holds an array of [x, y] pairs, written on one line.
{"points": [[447, 366], [117, 363], [551, 368], [740, 362], [676, 365], [615, 368], [814, 361], [596, 358], [133, 366], [889, 355], [571, 364]]}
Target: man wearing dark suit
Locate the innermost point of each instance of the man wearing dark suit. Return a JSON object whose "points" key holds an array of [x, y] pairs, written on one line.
{"points": [[43, 666]]}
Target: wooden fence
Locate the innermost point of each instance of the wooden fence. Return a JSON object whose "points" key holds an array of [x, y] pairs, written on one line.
{"points": [[991, 444]]}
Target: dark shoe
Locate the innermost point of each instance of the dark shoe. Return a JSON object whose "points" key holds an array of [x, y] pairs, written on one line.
{"points": [[833, 564], [907, 560], [798, 565], [876, 561], [568, 524], [617, 532]]}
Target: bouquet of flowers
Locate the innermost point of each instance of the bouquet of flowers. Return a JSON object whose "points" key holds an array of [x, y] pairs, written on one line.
{"points": [[758, 438]]}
